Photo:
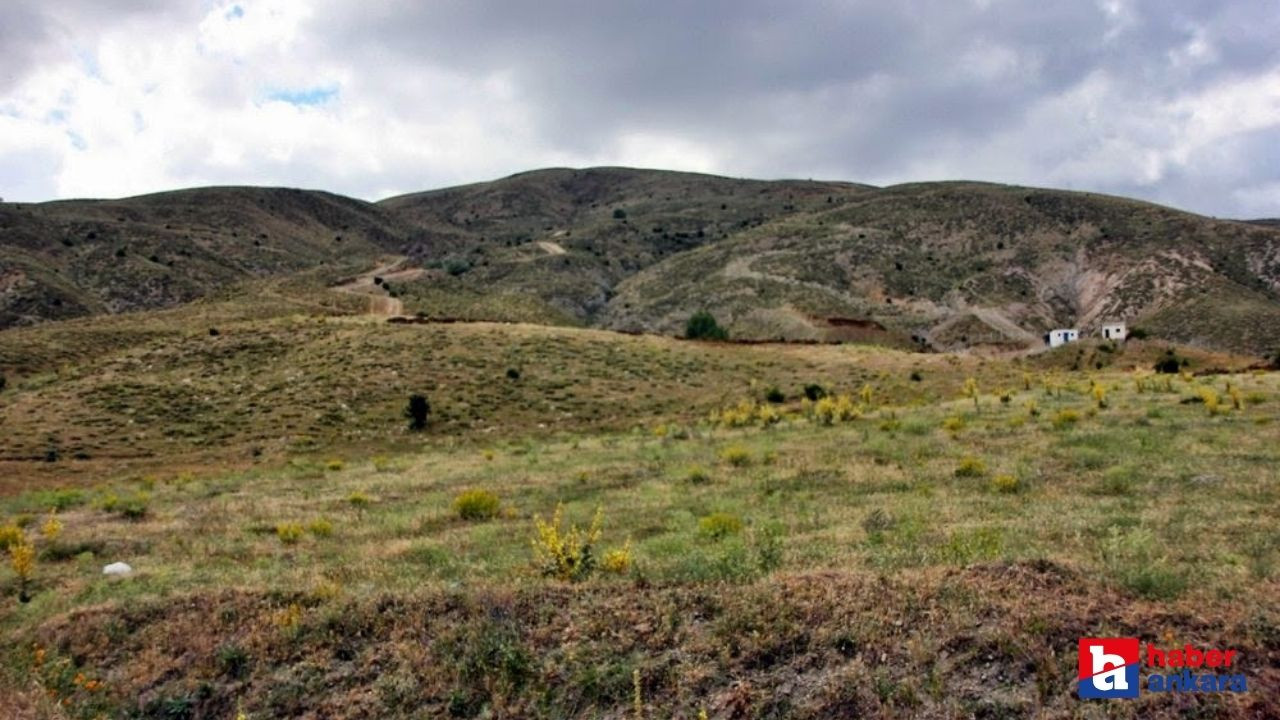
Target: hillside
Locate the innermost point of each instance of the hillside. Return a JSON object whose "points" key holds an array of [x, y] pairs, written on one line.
{"points": [[927, 266], [960, 264], [86, 257]]}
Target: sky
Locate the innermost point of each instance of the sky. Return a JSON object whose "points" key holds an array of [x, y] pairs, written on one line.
{"points": [[1173, 101]]}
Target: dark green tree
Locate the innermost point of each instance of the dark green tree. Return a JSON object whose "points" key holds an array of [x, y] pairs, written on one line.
{"points": [[703, 326], [418, 410]]}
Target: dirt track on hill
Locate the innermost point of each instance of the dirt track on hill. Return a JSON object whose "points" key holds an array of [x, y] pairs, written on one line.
{"points": [[380, 302]]}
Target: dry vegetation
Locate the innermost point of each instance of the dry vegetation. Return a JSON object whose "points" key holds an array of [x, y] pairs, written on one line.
{"points": [[629, 526]]}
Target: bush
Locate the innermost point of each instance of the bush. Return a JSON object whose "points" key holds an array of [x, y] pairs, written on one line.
{"points": [[953, 424], [476, 505], [971, 467], [618, 560], [289, 532], [736, 455], [832, 409], [703, 326], [1007, 484], [619, 214], [320, 527], [1170, 363], [567, 555], [1065, 418], [334, 465], [814, 391], [774, 395], [359, 500], [133, 507], [10, 535], [697, 476], [513, 374], [719, 525], [417, 410]]}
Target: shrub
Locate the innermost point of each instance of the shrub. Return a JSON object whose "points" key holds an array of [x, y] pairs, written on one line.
{"points": [[2, 381], [703, 326], [719, 525], [833, 409], [619, 214], [334, 465], [697, 476], [567, 555], [476, 505], [774, 395], [916, 376], [359, 500], [1065, 418], [10, 535], [618, 560], [133, 507], [1169, 363], [1006, 484], [513, 374], [1117, 482], [417, 410], [381, 463], [320, 527], [953, 424], [736, 455], [814, 391], [289, 532], [51, 528], [970, 466]]}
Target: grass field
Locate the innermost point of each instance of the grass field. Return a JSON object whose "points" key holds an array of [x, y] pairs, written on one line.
{"points": [[915, 544]]}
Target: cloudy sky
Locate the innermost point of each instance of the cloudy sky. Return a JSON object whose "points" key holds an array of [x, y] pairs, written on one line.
{"points": [[1176, 101]]}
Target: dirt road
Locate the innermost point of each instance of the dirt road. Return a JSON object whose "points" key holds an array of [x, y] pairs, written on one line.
{"points": [[380, 302]]}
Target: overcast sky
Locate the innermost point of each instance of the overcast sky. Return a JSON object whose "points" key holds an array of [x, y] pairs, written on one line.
{"points": [[1169, 100]]}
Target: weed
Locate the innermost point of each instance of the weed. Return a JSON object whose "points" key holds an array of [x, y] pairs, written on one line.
{"points": [[289, 532], [476, 505], [719, 525], [736, 455], [618, 560], [970, 467], [10, 535], [953, 424], [830, 410], [334, 465], [1007, 484], [567, 555], [697, 475], [51, 528], [359, 500], [1065, 418], [321, 527]]}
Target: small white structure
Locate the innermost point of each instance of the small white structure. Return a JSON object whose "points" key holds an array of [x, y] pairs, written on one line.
{"points": [[1114, 331], [1061, 337]]}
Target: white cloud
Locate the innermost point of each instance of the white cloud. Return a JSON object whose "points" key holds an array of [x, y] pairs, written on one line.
{"points": [[382, 97]]}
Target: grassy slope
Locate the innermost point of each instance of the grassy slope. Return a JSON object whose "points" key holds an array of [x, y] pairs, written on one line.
{"points": [[920, 258], [80, 257], [867, 578]]}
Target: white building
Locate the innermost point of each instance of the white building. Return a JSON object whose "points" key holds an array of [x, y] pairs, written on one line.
{"points": [[1114, 331], [1061, 336]]}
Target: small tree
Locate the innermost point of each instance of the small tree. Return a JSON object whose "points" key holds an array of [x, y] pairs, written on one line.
{"points": [[703, 326], [417, 411]]}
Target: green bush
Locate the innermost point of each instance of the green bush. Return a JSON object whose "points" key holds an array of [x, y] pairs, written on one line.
{"points": [[476, 505], [703, 326], [814, 391], [698, 476], [417, 410]]}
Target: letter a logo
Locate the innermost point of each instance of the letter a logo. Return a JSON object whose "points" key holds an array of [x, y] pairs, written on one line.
{"points": [[1108, 668]]}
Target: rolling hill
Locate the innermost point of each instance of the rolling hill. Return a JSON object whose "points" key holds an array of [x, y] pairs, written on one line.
{"points": [[927, 265]]}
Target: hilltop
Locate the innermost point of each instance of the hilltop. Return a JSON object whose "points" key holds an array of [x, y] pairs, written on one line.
{"points": [[937, 266]]}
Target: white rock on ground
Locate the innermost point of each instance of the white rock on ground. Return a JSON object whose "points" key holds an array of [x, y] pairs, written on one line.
{"points": [[117, 568]]}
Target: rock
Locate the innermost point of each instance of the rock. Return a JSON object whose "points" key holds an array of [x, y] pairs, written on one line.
{"points": [[117, 568]]}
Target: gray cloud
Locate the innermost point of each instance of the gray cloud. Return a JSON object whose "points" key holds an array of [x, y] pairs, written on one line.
{"points": [[1132, 97]]}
